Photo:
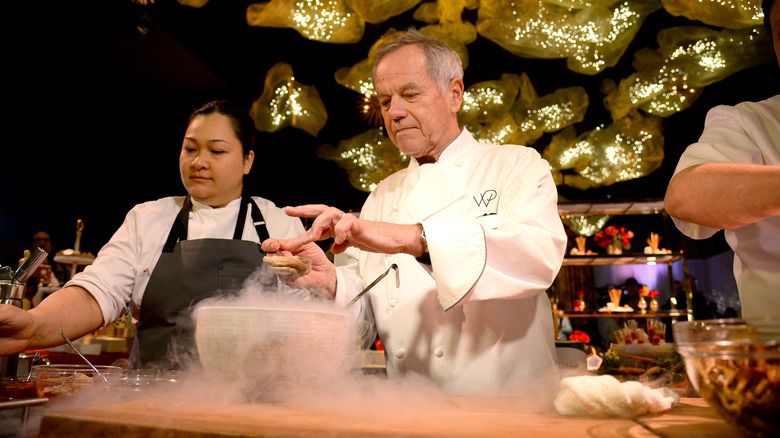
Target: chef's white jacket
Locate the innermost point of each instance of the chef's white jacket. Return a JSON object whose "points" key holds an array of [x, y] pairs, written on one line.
{"points": [[746, 133], [478, 319], [122, 268]]}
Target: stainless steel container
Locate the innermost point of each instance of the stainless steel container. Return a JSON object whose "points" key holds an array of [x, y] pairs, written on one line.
{"points": [[12, 287]]}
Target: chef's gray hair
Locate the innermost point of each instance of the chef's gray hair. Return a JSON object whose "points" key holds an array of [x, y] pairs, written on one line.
{"points": [[443, 63]]}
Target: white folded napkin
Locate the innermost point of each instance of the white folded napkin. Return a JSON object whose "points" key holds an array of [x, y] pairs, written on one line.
{"points": [[605, 396]]}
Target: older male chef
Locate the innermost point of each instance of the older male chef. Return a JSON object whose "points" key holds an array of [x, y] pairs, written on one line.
{"points": [[472, 227]]}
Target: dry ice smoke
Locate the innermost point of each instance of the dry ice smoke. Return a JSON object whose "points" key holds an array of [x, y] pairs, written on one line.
{"points": [[345, 390]]}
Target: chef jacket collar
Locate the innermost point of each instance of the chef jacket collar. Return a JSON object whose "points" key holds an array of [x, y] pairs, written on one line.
{"points": [[453, 149], [199, 205]]}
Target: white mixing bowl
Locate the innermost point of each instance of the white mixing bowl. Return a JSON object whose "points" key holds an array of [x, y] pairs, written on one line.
{"points": [[264, 345]]}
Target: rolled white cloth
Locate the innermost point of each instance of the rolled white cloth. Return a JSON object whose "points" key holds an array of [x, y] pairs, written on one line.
{"points": [[605, 396]]}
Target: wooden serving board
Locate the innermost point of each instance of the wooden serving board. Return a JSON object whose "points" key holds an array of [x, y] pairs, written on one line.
{"points": [[465, 417]]}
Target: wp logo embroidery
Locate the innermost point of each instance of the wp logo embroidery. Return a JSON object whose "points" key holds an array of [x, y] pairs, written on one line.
{"points": [[485, 198]]}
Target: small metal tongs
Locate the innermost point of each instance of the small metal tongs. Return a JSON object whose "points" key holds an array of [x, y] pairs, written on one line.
{"points": [[70, 344], [363, 292]]}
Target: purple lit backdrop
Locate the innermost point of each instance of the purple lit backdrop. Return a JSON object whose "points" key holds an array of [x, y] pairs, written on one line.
{"points": [[713, 275]]}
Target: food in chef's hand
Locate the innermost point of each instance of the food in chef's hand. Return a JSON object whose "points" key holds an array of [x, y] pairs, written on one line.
{"points": [[745, 390], [289, 265], [73, 256]]}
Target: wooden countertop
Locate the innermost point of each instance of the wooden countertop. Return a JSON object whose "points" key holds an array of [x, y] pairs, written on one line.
{"points": [[464, 417]]}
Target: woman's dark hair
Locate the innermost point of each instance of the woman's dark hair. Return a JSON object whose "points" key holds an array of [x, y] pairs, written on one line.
{"points": [[243, 124]]}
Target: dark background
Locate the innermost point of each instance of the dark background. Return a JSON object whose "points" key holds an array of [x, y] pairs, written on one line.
{"points": [[95, 109]]}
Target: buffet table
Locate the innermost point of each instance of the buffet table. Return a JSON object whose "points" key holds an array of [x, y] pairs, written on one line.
{"points": [[462, 417]]}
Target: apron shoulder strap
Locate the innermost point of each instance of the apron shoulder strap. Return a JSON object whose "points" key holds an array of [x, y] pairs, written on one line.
{"points": [[257, 218], [180, 226]]}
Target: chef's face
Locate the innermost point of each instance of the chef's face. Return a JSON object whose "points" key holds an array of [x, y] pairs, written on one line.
{"points": [[212, 162], [419, 119]]}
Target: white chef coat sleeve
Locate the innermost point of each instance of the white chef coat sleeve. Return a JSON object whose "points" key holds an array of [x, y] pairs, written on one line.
{"points": [[513, 254], [111, 277], [732, 134], [348, 285]]}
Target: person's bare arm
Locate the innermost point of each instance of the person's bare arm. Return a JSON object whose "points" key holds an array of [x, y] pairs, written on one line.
{"points": [[71, 309], [724, 195]]}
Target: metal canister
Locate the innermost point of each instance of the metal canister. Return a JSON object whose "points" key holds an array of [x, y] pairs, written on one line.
{"points": [[12, 288]]}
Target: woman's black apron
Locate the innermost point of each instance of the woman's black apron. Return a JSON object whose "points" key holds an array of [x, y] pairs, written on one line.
{"points": [[187, 272]]}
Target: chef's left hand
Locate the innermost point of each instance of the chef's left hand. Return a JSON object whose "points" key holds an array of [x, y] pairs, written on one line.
{"points": [[322, 277], [347, 230]]}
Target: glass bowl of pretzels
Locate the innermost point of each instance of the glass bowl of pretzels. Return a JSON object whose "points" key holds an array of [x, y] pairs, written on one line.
{"points": [[734, 364]]}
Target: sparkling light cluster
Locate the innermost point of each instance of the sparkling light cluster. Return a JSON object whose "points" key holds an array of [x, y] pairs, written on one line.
{"points": [[586, 225], [331, 21], [689, 58], [377, 11], [733, 14], [368, 158], [590, 34], [509, 111], [358, 77], [629, 148], [285, 102], [592, 38]]}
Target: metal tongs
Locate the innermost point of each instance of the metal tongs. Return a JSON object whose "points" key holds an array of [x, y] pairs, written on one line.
{"points": [[363, 292], [73, 347]]}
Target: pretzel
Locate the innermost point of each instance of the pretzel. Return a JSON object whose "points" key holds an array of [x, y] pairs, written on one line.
{"points": [[289, 265]]}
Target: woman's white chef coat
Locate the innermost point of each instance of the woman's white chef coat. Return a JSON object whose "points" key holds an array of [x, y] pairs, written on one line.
{"points": [[123, 266]]}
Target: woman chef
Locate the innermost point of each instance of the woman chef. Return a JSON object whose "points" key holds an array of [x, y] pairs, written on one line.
{"points": [[169, 253]]}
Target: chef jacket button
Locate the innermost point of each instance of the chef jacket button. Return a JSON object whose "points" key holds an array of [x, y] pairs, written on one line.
{"points": [[393, 302], [458, 163], [395, 207], [438, 352], [400, 354]]}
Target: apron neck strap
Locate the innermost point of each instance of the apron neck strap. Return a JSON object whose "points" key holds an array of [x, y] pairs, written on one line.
{"points": [[180, 225], [257, 219], [179, 228]]}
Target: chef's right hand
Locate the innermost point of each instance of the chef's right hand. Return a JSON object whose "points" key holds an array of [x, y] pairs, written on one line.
{"points": [[16, 329], [322, 277]]}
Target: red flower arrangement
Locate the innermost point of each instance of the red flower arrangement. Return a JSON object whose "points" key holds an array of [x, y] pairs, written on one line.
{"points": [[578, 335], [653, 293], [611, 234]]}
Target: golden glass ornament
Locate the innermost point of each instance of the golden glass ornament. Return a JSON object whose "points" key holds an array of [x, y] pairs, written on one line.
{"points": [[191, 3], [586, 225], [285, 102], [487, 104], [489, 100], [689, 58], [358, 77], [502, 130], [536, 115], [630, 148], [368, 158], [446, 16], [327, 21], [377, 11], [733, 14], [591, 39]]}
